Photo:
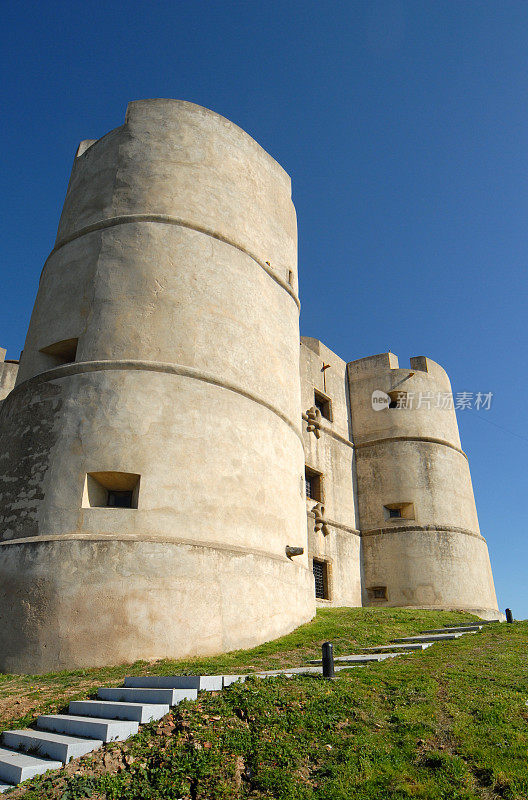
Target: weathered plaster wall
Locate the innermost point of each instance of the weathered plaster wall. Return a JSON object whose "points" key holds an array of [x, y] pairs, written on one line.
{"points": [[434, 555], [102, 600], [185, 373], [430, 568], [332, 455]]}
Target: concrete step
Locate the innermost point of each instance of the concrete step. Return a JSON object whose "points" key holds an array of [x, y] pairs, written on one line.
{"points": [[302, 670], [431, 637], [170, 697], [366, 658], [361, 658], [5, 786], [480, 622], [208, 683], [288, 673], [387, 648], [271, 673], [229, 679], [51, 745], [17, 767], [107, 730], [107, 709], [465, 629]]}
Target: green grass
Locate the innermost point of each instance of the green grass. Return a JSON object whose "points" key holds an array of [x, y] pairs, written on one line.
{"points": [[22, 697], [448, 723]]}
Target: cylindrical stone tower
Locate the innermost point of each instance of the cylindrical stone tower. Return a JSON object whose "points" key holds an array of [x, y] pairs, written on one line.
{"points": [[151, 461], [421, 544]]}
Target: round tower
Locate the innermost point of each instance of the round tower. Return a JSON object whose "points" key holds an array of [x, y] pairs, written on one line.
{"points": [[421, 543], [151, 460]]}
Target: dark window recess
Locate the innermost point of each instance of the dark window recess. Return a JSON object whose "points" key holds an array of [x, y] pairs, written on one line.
{"points": [[64, 352], [399, 511], [313, 485], [323, 404], [111, 490], [398, 400], [377, 593], [119, 499], [321, 580]]}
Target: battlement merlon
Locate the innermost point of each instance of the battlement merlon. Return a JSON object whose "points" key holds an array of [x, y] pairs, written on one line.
{"points": [[383, 362], [425, 364], [361, 367], [154, 111], [8, 374], [321, 350], [158, 164], [139, 112], [84, 146]]}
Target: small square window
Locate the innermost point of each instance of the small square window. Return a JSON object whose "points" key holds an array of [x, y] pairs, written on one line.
{"points": [[324, 404], [320, 571], [377, 593], [64, 352], [399, 511], [314, 488], [111, 490]]}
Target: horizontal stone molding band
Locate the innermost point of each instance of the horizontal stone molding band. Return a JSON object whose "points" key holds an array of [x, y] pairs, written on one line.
{"points": [[164, 219], [327, 429], [425, 439], [422, 529], [338, 525], [131, 538], [83, 367]]}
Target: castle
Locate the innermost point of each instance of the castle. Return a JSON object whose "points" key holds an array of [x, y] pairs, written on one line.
{"points": [[180, 473]]}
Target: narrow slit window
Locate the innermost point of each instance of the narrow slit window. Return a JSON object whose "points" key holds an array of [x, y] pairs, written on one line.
{"points": [[324, 404], [320, 572], [314, 488]]}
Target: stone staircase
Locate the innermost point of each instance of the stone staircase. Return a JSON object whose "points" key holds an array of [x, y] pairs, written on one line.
{"points": [[118, 712], [408, 644]]}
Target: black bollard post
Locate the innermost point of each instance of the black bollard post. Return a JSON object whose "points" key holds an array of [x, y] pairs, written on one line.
{"points": [[509, 615], [328, 660]]}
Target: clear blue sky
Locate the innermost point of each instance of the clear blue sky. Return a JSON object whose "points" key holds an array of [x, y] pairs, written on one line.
{"points": [[404, 126]]}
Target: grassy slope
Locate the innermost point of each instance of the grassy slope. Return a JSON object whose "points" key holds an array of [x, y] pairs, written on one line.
{"points": [[451, 722]]}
